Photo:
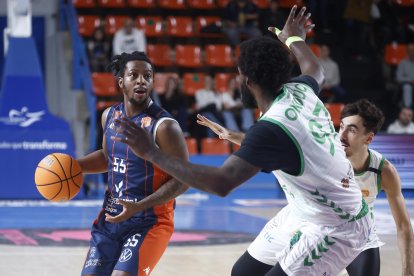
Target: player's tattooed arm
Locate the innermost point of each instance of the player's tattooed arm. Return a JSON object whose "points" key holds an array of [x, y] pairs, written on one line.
{"points": [[222, 132]]}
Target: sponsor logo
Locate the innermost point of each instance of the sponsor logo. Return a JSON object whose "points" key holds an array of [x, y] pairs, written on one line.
{"points": [[147, 270], [118, 188], [125, 255], [92, 252], [345, 182], [93, 262], [22, 117], [365, 193], [146, 122]]}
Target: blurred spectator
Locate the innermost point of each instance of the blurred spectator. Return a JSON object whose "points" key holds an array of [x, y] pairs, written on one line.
{"points": [[405, 76], [387, 23], [404, 124], [129, 39], [175, 103], [208, 103], [233, 109], [273, 17], [99, 50], [358, 19], [332, 77], [241, 18]]}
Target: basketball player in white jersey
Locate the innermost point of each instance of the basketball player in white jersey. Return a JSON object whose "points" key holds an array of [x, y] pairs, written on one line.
{"points": [[360, 121], [325, 224]]}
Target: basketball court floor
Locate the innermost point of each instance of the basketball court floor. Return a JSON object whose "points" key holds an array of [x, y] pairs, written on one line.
{"points": [[40, 238]]}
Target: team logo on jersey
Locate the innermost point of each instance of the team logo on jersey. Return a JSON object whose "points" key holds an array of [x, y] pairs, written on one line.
{"points": [[118, 188], [125, 255], [345, 182], [365, 193], [146, 122], [117, 114]]}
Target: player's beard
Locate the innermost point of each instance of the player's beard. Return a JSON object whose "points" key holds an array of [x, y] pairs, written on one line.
{"points": [[247, 97]]}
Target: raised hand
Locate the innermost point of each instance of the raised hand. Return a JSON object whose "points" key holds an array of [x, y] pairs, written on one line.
{"points": [[295, 25], [222, 132], [137, 138]]}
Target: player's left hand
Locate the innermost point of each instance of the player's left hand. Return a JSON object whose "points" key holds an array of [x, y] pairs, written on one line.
{"points": [[129, 209], [137, 138]]}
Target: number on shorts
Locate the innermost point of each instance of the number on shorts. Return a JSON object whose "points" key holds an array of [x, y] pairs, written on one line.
{"points": [[132, 241]]}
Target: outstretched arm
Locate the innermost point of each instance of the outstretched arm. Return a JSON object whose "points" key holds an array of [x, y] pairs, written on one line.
{"points": [[170, 140], [215, 180], [222, 132], [392, 187], [295, 27]]}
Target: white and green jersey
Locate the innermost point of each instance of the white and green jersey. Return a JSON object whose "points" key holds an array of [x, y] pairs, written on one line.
{"points": [[324, 191], [369, 182]]}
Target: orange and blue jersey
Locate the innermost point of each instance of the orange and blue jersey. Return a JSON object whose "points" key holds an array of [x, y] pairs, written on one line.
{"points": [[137, 244], [129, 176]]}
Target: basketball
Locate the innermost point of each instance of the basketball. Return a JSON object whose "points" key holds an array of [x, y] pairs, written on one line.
{"points": [[58, 177]]}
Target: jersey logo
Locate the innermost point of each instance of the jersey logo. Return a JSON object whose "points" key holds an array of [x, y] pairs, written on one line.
{"points": [[345, 182], [365, 193], [119, 187], [146, 122], [125, 255]]}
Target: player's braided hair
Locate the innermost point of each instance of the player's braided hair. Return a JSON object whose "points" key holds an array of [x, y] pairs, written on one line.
{"points": [[372, 116], [118, 62], [266, 62]]}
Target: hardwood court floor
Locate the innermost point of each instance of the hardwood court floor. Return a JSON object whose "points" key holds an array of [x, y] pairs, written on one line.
{"points": [[194, 211]]}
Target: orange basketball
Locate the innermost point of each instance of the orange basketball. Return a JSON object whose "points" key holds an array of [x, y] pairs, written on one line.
{"points": [[58, 177]]}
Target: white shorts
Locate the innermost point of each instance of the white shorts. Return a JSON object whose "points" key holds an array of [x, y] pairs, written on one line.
{"points": [[304, 248]]}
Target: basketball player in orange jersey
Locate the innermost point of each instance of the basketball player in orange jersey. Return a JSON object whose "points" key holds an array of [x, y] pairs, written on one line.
{"points": [[134, 246], [360, 121]]}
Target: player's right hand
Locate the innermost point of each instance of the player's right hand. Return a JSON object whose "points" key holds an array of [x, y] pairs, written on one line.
{"points": [[295, 25], [222, 132]]}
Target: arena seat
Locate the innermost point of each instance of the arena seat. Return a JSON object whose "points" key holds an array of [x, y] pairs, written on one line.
{"points": [[222, 3], [394, 53], [221, 81], [335, 112], [143, 4], [113, 23], [111, 3], [179, 26], [201, 4], [215, 146], [290, 3], [87, 24], [219, 55], [192, 82], [151, 25], [261, 4], [316, 49], [191, 145], [160, 54], [84, 3], [172, 4], [160, 81], [188, 56], [203, 21], [104, 84]]}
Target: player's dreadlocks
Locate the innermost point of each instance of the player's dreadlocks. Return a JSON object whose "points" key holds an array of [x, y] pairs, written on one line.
{"points": [[117, 65]]}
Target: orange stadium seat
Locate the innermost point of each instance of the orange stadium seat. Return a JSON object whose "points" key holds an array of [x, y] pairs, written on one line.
{"points": [[203, 21], [160, 54], [201, 4], [151, 25], [111, 3], [221, 81], [192, 82], [219, 55], [191, 145], [335, 112], [261, 4], [114, 23], [188, 56], [394, 53], [102, 104], [215, 146], [290, 3], [145, 4], [87, 24], [84, 3], [222, 3], [104, 85], [160, 80], [180, 26], [172, 4], [316, 49]]}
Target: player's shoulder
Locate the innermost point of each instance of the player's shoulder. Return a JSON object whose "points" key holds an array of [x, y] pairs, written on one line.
{"points": [[306, 82], [389, 175]]}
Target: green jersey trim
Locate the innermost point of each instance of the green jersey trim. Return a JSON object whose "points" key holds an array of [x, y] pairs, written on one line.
{"points": [[379, 173], [302, 162]]}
